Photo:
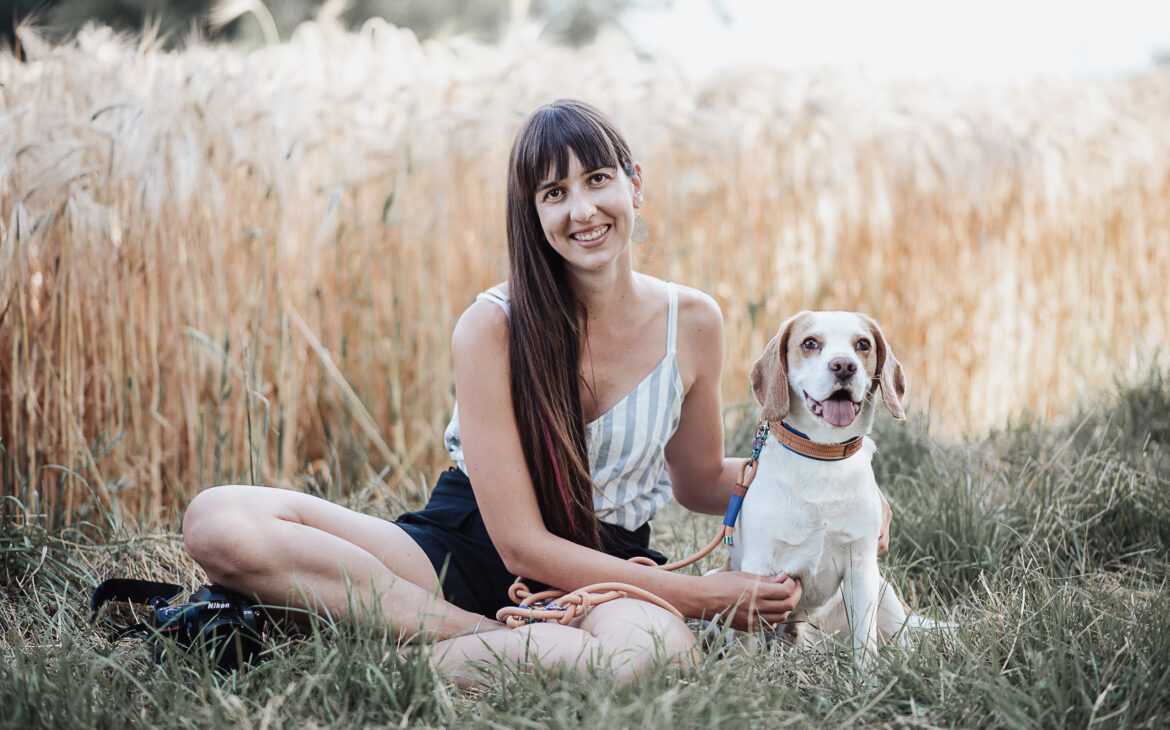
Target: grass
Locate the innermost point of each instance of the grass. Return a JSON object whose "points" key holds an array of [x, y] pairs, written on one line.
{"points": [[1044, 542]]}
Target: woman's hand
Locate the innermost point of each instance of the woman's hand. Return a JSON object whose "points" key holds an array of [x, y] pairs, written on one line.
{"points": [[756, 599], [884, 535]]}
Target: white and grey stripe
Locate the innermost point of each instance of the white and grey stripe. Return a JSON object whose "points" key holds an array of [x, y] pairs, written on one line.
{"points": [[626, 444]]}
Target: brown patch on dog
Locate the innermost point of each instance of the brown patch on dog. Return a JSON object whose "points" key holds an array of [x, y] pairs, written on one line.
{"points": [[769, 375], [891, 379], [869, 357]]}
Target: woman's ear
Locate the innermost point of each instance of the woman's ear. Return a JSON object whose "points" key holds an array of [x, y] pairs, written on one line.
{"points": [[636, 181]]}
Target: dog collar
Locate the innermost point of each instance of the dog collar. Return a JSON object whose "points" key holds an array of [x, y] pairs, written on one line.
{"points": [[797, 442]]}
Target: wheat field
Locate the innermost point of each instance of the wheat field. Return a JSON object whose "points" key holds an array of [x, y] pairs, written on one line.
{"points": [[228, 265]]}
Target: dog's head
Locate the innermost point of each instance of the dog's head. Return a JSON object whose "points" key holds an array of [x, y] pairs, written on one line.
{"points": [[822, 370]]}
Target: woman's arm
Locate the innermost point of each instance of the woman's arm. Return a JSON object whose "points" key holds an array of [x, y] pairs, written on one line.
{"points": [[507, 499], [701, 476]]}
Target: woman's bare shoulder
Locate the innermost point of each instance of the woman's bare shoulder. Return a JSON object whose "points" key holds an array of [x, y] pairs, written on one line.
{"points": [[698, 314], [700, 336], [481, 329], [696, 308]]}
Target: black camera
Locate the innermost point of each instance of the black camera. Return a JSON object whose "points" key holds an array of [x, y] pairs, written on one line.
{"points": [[225, 624]]}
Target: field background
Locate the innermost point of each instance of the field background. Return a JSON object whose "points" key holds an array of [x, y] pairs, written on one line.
{"points": [[226, 265], [222, 265]]}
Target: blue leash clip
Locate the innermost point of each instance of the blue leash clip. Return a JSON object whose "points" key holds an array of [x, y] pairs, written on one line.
{"points": [[761, 439], [731, 516], [740, 491]]}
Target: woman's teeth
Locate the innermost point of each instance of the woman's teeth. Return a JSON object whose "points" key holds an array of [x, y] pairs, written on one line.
{"points": [[592, 235]]}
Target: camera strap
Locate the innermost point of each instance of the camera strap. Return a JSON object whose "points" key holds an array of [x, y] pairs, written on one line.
{"points": [[148, 592]]}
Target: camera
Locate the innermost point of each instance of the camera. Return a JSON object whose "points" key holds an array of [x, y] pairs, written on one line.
{"points": [[223, 623]]}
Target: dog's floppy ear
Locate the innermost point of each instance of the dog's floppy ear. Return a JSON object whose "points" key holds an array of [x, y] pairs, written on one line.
{"points": [[769, 375], [890, 376]]}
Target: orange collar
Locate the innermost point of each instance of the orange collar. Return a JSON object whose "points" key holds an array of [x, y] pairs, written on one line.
{"points": [[796, 441]]}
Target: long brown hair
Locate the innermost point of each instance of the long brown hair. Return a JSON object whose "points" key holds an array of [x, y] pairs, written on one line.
{"points": [[545, 319]]}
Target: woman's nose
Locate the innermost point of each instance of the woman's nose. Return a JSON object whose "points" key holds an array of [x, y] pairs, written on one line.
{"points": [[582, 209]]}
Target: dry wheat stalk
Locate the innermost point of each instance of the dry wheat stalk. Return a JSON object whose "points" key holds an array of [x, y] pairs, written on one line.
{"points": [[159, 209]]}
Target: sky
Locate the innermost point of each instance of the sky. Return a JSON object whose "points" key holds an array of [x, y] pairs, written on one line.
{"points": [[976, 40]]}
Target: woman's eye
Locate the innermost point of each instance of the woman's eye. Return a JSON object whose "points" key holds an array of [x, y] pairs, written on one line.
{"points": [[598, 178], [553, 194], [862, 346], [810, 344]]}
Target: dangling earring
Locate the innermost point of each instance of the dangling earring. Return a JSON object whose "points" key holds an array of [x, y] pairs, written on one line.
{"points": [[641, 232]]}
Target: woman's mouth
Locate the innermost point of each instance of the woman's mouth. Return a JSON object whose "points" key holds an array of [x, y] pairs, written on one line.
{"points": [[593, 235]]}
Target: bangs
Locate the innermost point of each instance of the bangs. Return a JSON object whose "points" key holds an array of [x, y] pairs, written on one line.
{"points": [[555, 130]]}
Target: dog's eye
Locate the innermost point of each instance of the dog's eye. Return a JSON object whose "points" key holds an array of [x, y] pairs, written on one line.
{"points": [[810, 344], [862, 345]]}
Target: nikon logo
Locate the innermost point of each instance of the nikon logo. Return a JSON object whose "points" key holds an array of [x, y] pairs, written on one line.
{"points": [[218, 604]]}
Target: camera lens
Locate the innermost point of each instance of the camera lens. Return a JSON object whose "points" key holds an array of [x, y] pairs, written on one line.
{"points": [[230, 643]]}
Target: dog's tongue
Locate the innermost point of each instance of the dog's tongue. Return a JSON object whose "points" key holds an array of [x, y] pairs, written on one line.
{"points": [[839, 413]]}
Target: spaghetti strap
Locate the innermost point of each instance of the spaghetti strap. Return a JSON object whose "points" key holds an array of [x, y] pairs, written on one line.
{"points": [[495, 296], [672, 320]]}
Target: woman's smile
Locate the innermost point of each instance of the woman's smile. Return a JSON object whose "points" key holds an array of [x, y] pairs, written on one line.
{"points": [[591, 237]]}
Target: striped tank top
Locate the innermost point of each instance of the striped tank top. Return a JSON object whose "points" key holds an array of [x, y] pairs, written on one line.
{"points": [[626, 443]]}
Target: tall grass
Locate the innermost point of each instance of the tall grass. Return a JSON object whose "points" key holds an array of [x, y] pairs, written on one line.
{"points": [[218, 265], [1057, 587]]}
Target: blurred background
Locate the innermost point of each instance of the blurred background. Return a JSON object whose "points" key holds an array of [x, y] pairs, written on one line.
{"points": [[991, 40], [562, 21], [235, 236]]}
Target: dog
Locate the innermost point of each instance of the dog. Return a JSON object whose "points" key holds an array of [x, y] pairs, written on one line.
{"points": [[813, 509]]}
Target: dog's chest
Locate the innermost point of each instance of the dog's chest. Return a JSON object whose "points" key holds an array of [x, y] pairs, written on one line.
{"points": [[808, 518]]}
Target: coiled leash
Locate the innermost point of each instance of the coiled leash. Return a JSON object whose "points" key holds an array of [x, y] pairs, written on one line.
{"points": [[562, 607]]}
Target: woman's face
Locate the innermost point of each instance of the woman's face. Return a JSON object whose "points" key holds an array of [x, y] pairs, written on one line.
{"points": [[587, 216]]}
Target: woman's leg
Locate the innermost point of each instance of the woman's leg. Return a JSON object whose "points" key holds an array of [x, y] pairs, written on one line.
{"points": [[291, 549], [625, 633]]}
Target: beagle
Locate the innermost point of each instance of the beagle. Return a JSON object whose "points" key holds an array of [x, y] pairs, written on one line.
{"points": [[813, 509]]}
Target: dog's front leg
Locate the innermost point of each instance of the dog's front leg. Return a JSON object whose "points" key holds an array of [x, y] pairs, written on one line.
{"points": [[861, 587]]}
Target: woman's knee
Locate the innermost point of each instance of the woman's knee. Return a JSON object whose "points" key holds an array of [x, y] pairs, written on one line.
{"points": [[222, 527], [634, 624], [672, 635]]}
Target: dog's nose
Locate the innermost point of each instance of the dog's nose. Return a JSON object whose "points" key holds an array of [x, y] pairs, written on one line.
{"points": [[843, 367]]}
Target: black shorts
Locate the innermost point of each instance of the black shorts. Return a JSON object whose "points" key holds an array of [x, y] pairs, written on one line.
{"points": [[451, 532]]}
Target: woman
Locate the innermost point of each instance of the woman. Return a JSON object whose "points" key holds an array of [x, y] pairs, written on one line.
{"points": [[586, 392]]}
